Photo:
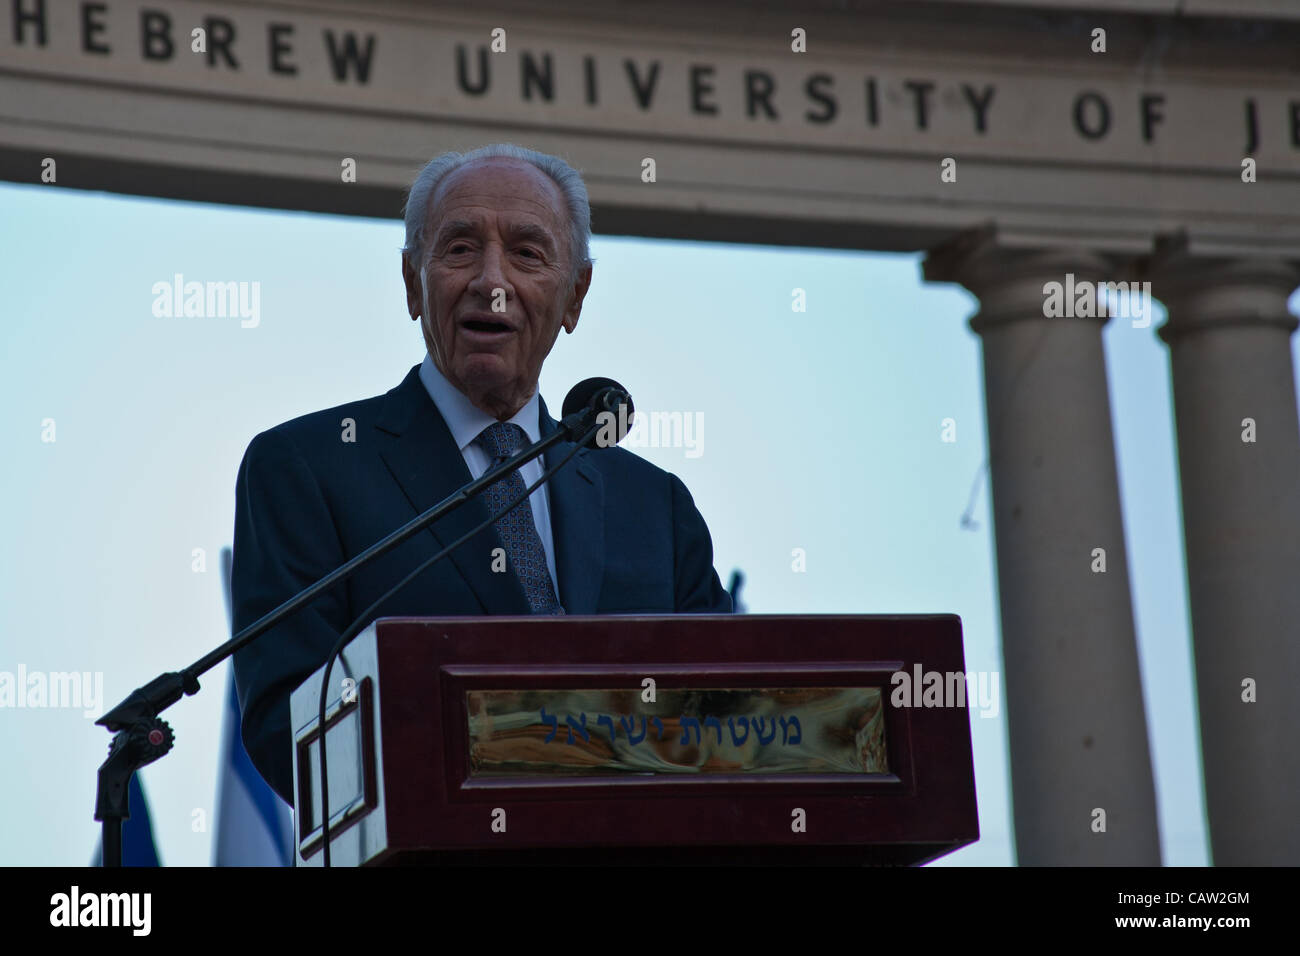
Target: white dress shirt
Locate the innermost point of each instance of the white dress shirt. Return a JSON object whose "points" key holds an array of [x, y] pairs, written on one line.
{"points": [[466, 422]]}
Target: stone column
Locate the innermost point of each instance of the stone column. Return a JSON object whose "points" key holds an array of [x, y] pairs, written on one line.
{"points": [[1229, 337], [1074, 694]]}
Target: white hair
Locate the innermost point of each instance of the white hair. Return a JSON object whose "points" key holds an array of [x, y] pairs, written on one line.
{"points": [[569, 181]]}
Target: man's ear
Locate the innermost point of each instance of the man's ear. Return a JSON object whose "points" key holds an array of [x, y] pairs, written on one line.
{"points": [[414, 288], [580, 287]]}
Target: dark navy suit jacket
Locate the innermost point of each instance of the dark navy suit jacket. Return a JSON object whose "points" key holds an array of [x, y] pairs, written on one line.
{"points": [[627, 538]]}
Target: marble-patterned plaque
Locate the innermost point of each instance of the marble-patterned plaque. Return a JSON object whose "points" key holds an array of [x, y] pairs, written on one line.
{"points": [[587, 731]]}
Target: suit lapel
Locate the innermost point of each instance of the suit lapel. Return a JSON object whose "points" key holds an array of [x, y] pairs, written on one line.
{"points": [[577, 502], [425, 462]]}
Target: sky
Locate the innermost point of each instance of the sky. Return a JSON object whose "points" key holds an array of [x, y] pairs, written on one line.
{"points": [[821, 431]]}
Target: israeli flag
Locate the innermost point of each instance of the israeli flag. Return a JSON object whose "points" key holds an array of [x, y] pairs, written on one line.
{"points": [[254, 827]]}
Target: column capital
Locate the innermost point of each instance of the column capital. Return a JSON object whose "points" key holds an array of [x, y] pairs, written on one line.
{"points": [[1009, 279], [1211, 292]]}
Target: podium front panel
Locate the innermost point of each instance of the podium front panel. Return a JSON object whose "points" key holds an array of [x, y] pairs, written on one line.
{"points": [[675, 738]]}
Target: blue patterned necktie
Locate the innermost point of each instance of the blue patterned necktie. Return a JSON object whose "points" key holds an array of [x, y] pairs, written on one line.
{"points": [[524, 551]]}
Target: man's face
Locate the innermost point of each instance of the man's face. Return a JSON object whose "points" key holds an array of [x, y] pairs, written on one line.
{"points": [[497, 232]]}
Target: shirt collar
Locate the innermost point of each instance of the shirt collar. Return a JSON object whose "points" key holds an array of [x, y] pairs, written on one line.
{"points": [[464, 419]]}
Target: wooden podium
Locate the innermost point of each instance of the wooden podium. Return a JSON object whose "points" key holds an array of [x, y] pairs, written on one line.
{"points": [[674, 739]]}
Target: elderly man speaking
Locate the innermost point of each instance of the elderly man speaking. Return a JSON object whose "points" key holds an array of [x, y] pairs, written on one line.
{"points": [[496, 263]]}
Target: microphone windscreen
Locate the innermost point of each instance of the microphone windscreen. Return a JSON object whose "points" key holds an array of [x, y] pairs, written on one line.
{"points": [[604, 395], [580, 395]]}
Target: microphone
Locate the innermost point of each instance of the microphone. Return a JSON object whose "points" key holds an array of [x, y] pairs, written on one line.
{"points": [[612, 407], [142, 737]]}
